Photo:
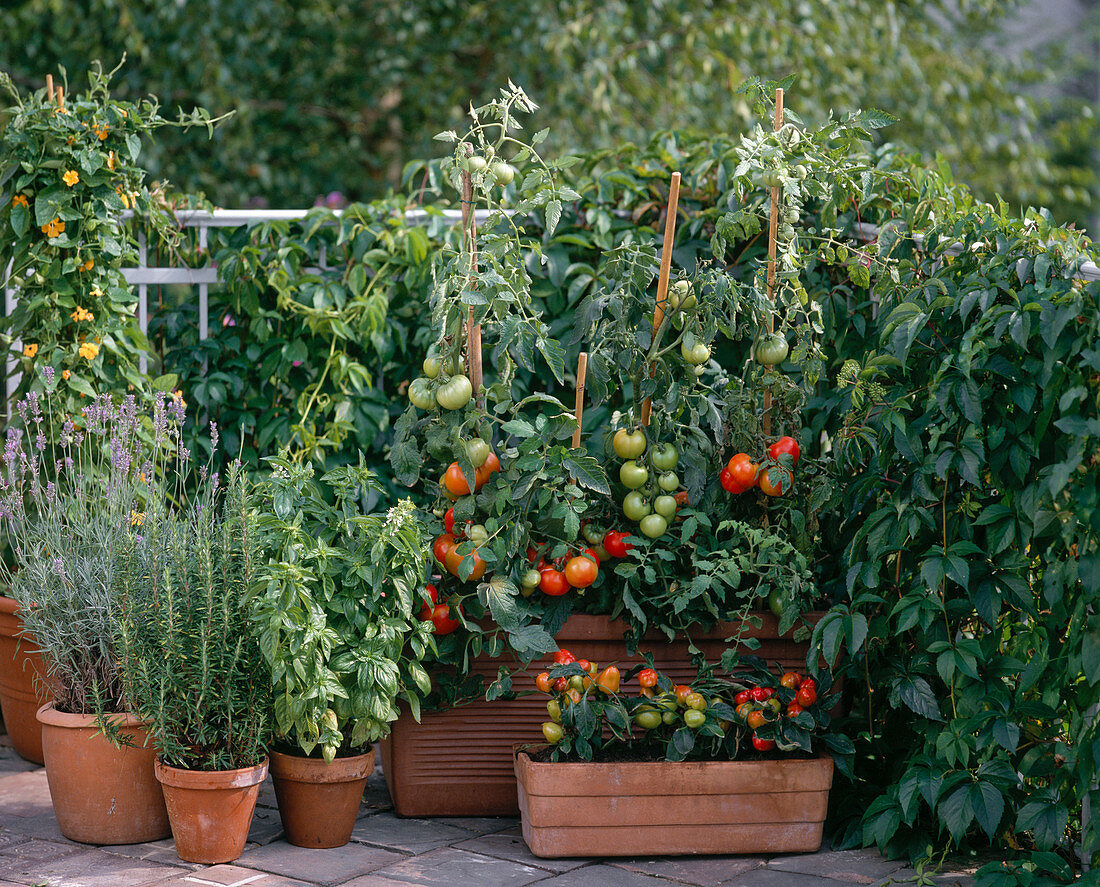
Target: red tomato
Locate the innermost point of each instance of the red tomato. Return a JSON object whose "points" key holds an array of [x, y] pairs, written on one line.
{"points": [[742, 697], [564, 657], [809, 682], [726, 480], [743, 472], [561, 685], [433, 592], [681, 498], [441, 620], [682, 692], [442, 546], [786, 445], [449, 521], [756, 719], [553, 582], [806, 696], [590, 667], [762, 744], [759, 694], [614, 544], [532, 554], [791, 680], [581, 571], [543, 682], [794, 709], [455, 481], [778, 488], [647, 677], [453, 559], [491, 467]]}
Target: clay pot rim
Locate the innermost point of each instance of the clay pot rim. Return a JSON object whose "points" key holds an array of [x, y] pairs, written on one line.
{"points": [[524, 749], [48, 714], [199, 780], [317, 771], [8, 605]]}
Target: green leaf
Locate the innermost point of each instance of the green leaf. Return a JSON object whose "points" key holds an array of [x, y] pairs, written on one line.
{"points": [[1046, 820]]}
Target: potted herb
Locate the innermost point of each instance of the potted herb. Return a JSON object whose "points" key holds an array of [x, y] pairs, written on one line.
{"points": [[70, 513], [336, 608], [191, 663], [710, 766]]}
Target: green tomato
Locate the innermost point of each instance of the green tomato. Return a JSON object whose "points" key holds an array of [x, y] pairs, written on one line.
{"points": [[664, 457], [799, 172], [553, 708], [455, 393], [552, 732], [772, 178], [654, 525], [476, 164], [502, 172], [665, 506], [531, 579], [678, 292], [772, 350], [694, 719], [593, 535], [629, 444], [775, 602], [431, 366], [478, 534], [670, 717], [452, 367], [478, 451], [635, 506], [669, 482], [648, 720], [633, 475], [420, 395], [696, 355]]}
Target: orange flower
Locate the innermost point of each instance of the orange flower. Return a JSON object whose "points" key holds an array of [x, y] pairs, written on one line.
{"points": [[123, 196], [87, 266], [71, 177], [110, 160], [30, 350], [19, 200], [65, 375], [101, 131], [82, 314], [88, 351], [54, 228]]}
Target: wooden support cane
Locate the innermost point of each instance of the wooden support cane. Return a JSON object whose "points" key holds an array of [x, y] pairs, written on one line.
{"points": [[49, 87], [578, 408], [662, 280], [469, 235], [773, 232]]}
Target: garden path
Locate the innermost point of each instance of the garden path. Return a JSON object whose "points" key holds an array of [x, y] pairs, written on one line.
{"points": [[386, 851]]}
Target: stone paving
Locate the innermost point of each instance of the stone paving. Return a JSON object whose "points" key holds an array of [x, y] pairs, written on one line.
{"points": [[386, 851]]}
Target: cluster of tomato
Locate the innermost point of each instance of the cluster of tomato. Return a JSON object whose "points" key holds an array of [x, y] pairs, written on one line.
{"points": [[567, 691], [439, 612], [557, 577], [488, 166], [741, 474], [681, 703], [443, 384], [758, 706], [654, 494], [455, 485]]}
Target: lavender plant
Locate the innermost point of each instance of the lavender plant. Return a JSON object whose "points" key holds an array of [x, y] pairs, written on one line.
{"points": [[70, 504]]}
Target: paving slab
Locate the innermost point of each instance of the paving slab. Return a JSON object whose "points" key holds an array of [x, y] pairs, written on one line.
{"points": [[776, 878], [86, 868], [481, 825], [25, 794], [41, 825], [509, 844], [449, 867], [229, 876], [267, 825], [846, 866], [601, 875], [410, 836], [699, 871], [325, 867], [155, 851], [10, 762]]}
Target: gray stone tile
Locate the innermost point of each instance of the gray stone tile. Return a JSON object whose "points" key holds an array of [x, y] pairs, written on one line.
{"points": [[448, 867], [847, 866], [704, 871], [376, 797], [482, 825], [326, 867], [509, 845], [267, 825], [230, 876], [25, 794], [406, 835], [43, 826], [10, 762], [154, 851], [266, 798], [87, 868], [777, 878], [599, 875], [34, 849], [955, 879]]}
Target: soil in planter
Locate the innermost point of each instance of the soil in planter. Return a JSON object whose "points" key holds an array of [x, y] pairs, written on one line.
{"points": [[643, 753]]}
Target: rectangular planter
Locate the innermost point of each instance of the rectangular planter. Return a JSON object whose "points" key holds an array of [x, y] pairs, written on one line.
{"points": [[476, 777], [663, 808]]}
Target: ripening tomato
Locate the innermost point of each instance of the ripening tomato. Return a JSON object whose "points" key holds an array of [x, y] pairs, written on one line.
{"points": [[543, 682], [785, 445], [809, 682], [433, 593], [744, 710], [614, 544], [561, 685], [442, 546], [794, 709], [552, 732], [681, 499], [442, 623], [455, 393], [449, 521], [455, 481], [490, 467], [791, 680], [608, 680], [553, 582], [682, 691], [563, 657], [581, 571], [629, 444], [783, 482], [743, 472], [806, 696], [454, 559], [694, 719], [762, 744], [756, 719], [647, 677]]}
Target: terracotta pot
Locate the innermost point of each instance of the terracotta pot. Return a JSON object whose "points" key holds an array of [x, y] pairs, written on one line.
{"points": [[318, 802], [479, 737], [101, 794], [22, 690], [210, 810], [643, 809]]}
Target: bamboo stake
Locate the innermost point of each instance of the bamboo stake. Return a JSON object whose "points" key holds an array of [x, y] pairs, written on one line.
{"points": [[469, 234], [49, 87], [578, 409], [662, 279], [60, 97], [773, 232]]}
